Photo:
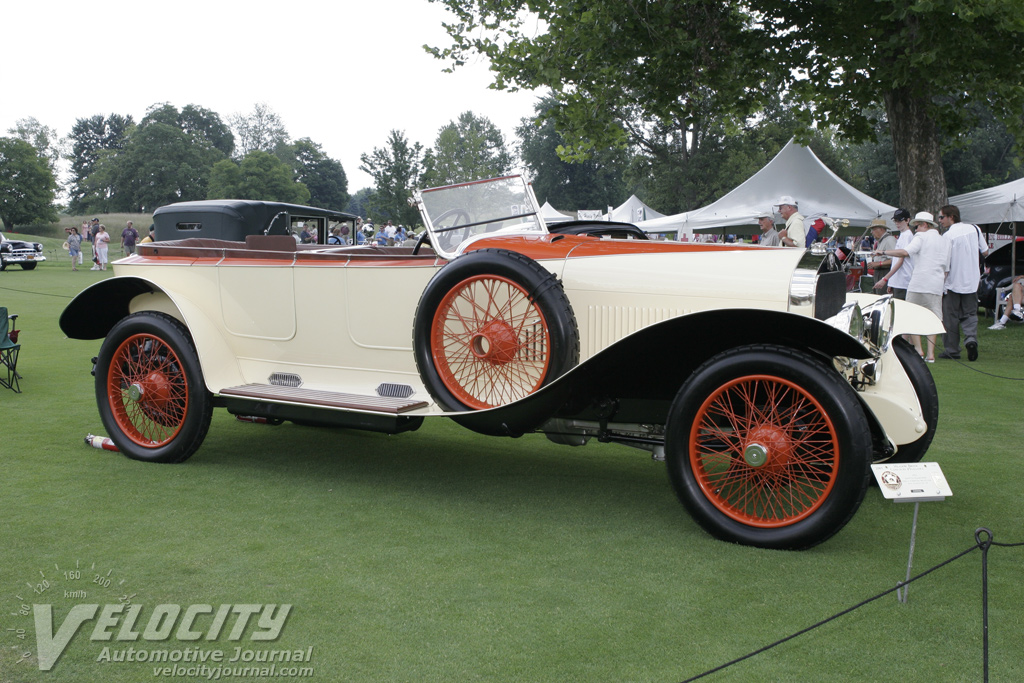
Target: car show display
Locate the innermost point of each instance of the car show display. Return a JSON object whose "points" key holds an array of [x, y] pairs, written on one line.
{"points": [[22, 252], [767, 390]]}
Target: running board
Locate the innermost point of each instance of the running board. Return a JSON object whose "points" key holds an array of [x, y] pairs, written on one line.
{"points": [[326, 399]]}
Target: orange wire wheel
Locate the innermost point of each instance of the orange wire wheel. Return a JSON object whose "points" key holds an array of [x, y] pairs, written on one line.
{"points": [[490, 342], [493, 327], [150, 390], [147, 390], [768, 446], [764, 451]]}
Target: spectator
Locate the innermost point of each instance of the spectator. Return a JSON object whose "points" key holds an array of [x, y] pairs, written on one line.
{"points": [[883, 242], [101, 243], [929, 253], [74, 247], [769, 235], [794, 235], [129, 236], [151, 237], [335, 237], [960, 302], [1016, 298], [902, 269]]}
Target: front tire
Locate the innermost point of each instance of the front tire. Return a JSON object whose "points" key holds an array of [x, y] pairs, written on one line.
{"points": [[492, 327], [927, 394], [769, 447], [150, 390]]}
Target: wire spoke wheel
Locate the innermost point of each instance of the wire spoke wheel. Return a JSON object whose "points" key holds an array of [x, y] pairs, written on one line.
{"points": [[769, 446], [148, 390], [493, 327], [490, 342], [764, 451]]}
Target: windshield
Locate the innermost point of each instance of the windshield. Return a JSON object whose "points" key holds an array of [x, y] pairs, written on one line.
{"points": [[457, 213]]}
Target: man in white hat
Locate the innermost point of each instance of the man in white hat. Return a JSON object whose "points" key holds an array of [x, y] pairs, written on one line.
{"points": [[930, 256], [769, 236], [795, 235]]}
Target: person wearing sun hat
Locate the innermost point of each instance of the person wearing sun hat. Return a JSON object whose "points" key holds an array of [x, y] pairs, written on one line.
{"points": [[769, 236], [883, 241], [929, 253], [902, 269], [794, 235]]}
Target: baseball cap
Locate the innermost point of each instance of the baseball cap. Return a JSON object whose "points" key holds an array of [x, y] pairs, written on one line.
{"points": [[786, 199], [900, 215]]}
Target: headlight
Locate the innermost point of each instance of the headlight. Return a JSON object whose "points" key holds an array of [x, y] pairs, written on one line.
{"points": [[39, 247], [850, 320], [878, 321]]}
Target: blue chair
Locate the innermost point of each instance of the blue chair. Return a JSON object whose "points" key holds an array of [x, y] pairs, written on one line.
{"points": [[9, 349]]}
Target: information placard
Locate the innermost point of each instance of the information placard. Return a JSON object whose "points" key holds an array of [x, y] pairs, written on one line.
{"points": [[911, 482]]}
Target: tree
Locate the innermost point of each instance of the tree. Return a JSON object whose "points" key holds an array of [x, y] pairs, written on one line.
{"points": [[617, 67], [396, 169], [27, 186], [166, 158], [43, 138], [260, 176], [325, 177], [471, 148], [260, 130], [89, 138], [359, 203], [592, 183]]}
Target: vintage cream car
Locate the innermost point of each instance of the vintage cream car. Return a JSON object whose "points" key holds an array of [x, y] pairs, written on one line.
{"points": [[767, 392]]}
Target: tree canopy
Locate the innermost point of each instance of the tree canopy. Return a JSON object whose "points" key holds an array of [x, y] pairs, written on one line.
{"points": [[89, 138], [27, 185], [325, 177], [260, 175], [471, 148], [396, 169], [621, 69]]}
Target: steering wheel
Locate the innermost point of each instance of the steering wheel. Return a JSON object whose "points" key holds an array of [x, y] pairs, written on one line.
{"points": [[447, 237], [458, 212], [423, 239]]}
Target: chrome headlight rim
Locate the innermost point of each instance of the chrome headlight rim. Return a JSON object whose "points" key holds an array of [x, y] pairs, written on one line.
{"points": [[879, 318]]}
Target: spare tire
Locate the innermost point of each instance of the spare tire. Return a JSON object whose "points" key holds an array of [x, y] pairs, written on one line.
{"points": [[492, 327]]}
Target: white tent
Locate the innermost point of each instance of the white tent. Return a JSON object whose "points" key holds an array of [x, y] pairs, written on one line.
{"points": [[1000, 204], [794, 171], [631, 211], [553, 215]]}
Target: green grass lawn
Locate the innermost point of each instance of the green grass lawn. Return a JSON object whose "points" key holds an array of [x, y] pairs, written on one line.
{"points": [[441, 555]]}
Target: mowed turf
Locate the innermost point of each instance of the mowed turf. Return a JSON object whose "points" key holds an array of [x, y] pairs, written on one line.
{"points": [[442, 555]]}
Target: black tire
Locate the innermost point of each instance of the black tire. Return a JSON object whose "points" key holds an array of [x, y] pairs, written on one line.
{"points": [[769, 447], [928, 395], [150, 390], [28, 266], [472, 346]]}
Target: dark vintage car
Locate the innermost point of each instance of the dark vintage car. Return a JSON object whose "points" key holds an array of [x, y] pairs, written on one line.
{"points": [[235, 219], [999, 272], [26, 254]]}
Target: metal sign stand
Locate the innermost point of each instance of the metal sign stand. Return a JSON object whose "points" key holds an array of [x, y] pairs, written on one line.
{"points": [[912, 482]]}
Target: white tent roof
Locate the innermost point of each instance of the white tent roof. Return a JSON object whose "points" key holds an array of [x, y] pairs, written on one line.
{"points": [[1000, 204], [553, 215], [632, 211], [794, 171]]}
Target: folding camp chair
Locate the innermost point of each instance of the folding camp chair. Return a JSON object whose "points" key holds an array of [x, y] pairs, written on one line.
{"points": [[9, 349]]}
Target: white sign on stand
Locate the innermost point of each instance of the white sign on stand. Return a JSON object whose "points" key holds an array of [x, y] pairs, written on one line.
{"points": [[911, 482]]}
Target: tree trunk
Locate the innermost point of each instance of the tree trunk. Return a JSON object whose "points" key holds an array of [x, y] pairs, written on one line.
{"points": [[915, 141]]}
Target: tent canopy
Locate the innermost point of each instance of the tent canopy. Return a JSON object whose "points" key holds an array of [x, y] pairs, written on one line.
{"points": [[794, 171], [632, 211], [552, 215], [1000, 204]]}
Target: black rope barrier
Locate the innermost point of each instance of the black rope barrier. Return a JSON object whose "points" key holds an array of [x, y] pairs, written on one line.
{"points": [[983, 540], [982, 372]]}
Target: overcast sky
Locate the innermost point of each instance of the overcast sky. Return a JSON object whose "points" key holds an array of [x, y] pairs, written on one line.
{"points": [[343, 73]]}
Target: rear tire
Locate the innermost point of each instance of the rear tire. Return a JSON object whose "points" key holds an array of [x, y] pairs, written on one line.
{"points": [[769, 447], [150, 390]]}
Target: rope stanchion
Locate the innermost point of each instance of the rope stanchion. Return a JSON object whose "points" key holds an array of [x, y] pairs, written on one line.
{"points": [[983, 541]]}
